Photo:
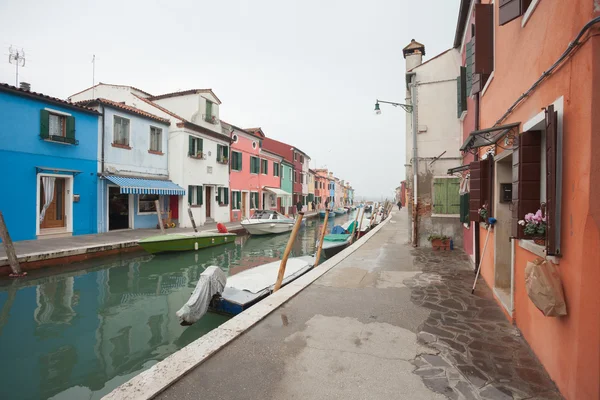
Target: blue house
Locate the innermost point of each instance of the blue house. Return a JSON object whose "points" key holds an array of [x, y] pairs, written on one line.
{"points": [[48, 156], [133, 167]]}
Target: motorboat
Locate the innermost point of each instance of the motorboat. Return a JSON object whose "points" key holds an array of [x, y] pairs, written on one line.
{"points": [[339, 238], [268, 222]]}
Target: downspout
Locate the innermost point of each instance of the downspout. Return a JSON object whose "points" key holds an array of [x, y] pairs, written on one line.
{"points": [[475, 223], [104, 222], [413, 97]]}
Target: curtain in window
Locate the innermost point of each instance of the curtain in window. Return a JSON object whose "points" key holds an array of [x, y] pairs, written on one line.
{"points": [[55, 125], [48, 184]]}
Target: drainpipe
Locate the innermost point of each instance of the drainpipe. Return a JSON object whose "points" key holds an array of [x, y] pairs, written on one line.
{"points": [[476, 223], [102, 169], [413, 97]]}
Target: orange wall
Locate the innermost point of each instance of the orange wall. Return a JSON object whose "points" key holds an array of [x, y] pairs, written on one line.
{"points": [[569, 347]]}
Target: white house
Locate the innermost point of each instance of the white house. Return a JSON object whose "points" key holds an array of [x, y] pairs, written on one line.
{"points": [[198, 151], [133, 167], [438, 141]]}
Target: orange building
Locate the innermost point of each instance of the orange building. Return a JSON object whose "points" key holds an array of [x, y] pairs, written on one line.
{"points": [[534, 78]]}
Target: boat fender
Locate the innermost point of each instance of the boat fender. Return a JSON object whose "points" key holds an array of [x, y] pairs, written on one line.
{"points": [[222, 228]]}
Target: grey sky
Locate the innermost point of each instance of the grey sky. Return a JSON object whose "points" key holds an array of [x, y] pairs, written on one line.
{"points": [[307, 72]]}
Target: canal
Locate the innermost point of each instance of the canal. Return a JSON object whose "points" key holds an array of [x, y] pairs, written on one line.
{"points": [[82, 332]]}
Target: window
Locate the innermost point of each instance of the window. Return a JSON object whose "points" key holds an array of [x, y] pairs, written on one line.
{"points": [[295, 156], [253, 145], [483, 46], [446, 199], [208, 116], [195, 195], [254, 200], [301, 159], [195, 147], [282, 173], [236, 161], [57, 127], [264, 167], [461, 92], [512, 9], [223, 196], [236, 200], [235, 138], [121, 131], [468, 68], [155, 139], [146, 203], [222, 154], [295, 176], [275, 169], [254, 165]]}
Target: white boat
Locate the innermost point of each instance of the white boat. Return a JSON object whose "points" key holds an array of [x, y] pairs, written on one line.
{"points": [[268, 222]]}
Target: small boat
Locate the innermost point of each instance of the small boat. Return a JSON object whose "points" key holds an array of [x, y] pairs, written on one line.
{"points": [[268, 222], [322, 213], [252, 285], [339, 211], [185, 241], [339, 238]]}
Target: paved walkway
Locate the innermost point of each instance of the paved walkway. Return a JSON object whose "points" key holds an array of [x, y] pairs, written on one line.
{"points": [[388, 322], [43, 249]]}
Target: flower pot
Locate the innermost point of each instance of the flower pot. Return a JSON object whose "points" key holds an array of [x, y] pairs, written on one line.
{"points": [[540, 241], [439, 244]]}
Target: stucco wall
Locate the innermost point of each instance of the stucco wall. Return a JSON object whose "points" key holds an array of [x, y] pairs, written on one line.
{"points": [[193, 107]]}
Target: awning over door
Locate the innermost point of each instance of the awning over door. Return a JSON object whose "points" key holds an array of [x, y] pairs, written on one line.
{"points": [[146, 186], [278, 192], [490, 137]]}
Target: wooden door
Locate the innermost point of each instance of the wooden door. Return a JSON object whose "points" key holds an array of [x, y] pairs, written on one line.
{"points": [[208, 200], [55, 214], [174, 206], [244, 199]]}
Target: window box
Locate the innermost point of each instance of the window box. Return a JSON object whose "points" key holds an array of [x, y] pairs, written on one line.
{"points": [[199, 156], [223, 161], [158, 153]]}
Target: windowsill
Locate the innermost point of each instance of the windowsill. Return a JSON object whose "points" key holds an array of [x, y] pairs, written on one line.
{"points": [[529, 12], [467, 226], [121, 146], [537, 249], [196, 206], [196, 157], [158, 153], [463, 116], [58, 142], [236, 170], [445, 215], [223, 162], [487, 84], [147, 213]]}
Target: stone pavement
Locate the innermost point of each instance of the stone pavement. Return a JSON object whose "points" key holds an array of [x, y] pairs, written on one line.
{"points": [[388, 322]]}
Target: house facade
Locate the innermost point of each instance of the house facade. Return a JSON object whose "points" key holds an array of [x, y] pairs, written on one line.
{"points": [[311, 190], [293, 157], [133, 167], [287, 185], [332, 190], [48, 149], [198, 149], [438, 140], [321, 187], [533, 148]]}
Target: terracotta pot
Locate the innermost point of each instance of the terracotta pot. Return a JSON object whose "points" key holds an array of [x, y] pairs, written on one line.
{"points": [[439, 244], [540, 241]]}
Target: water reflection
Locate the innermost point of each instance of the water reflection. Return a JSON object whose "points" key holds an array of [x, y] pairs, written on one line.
{"points": [[82, 333]]}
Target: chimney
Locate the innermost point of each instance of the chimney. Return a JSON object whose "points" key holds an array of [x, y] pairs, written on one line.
{"points": [[413, 53], [25, 86]]}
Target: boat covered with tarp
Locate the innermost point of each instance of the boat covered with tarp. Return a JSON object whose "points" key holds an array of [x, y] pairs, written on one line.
{"points": [[188, 241]]}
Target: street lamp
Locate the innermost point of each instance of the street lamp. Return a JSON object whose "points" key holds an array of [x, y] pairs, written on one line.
{"points": [[405, 107]]}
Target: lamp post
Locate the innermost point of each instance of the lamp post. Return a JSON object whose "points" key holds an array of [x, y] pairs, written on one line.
{"points": [[412, 109]]}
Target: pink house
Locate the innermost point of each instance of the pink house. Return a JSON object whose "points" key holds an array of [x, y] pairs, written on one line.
{"points": [[254, 177]]}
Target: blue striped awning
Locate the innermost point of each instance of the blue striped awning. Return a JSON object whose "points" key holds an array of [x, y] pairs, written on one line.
{"points": [[146, 186]]}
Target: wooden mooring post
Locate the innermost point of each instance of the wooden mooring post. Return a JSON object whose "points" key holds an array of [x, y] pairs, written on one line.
{"points": [[192, 217], [10, 249], [159, 213], [357, 233], [288, 250], [323, 230]]}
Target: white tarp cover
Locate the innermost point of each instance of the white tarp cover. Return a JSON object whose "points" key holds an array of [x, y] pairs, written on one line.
{"points": [[211, 282]]}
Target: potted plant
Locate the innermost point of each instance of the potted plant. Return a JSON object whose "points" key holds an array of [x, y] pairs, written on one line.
{"points": [[439, 242], [534, 227], [483, 212]]}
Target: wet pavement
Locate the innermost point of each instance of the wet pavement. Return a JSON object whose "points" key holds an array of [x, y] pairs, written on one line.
{"points": [[388, 322]]}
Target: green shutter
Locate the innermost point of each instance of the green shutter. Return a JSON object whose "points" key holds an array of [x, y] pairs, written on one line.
{"points": [[461, 89], [469, 69], [208, 110], [226, 195], [453, 206], [266, 167], [70, 134], [464, 208], [219, 195], [190, 194], [239, 200], [199, 195], [44, 124], [200, 144], [440, 196], [190, 145], [239, 161], [226, 152]]}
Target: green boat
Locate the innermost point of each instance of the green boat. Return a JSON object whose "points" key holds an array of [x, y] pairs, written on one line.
{"points": [[185, 241]]}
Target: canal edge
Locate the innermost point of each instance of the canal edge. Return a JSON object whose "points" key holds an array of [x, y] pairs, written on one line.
{"points": [[160, 376]]}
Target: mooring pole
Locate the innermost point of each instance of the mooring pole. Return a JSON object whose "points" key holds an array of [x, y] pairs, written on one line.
{"points": [[360, 225], [10, 248], [288, 250], [323, 230], [192, 218], [159, 214]]}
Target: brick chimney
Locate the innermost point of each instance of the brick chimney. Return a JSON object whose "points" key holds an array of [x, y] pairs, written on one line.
{"points": [[413, 53]]}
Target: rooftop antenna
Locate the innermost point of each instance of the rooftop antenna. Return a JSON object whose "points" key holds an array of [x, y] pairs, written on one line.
{"points": [[18, 58], [94, 76]]}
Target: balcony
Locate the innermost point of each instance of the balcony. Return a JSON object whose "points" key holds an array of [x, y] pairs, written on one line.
{"points": [[211, 119]]}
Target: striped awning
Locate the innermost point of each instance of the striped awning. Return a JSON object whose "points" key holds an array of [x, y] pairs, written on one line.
{"points": [[146, 186]]}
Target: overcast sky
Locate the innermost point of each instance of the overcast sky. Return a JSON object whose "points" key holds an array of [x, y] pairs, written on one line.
{"points": [[308, 72]]}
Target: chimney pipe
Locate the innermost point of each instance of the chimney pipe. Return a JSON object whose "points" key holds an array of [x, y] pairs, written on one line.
{"points": [[25, 86]]}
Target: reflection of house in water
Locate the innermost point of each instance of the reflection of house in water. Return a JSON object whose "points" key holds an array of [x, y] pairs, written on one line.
{"points": [[55, 301]]}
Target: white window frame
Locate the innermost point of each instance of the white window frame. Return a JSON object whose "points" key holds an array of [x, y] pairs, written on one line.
{"points": [[128, 130], [532, 6], [146, 212], [250, 200], [160, 137]]}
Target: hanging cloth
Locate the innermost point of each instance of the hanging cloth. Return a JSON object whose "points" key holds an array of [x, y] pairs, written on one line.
{"points": [[48, 184]]}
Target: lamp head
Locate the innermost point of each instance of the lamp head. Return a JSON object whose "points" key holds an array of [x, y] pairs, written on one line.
{"points": [[377, 109]]}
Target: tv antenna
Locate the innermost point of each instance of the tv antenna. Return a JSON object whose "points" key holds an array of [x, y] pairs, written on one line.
{"points": [[18, 58]]}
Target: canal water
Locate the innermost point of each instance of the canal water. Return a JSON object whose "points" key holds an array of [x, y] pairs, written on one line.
{"points": [[81, 333]]}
